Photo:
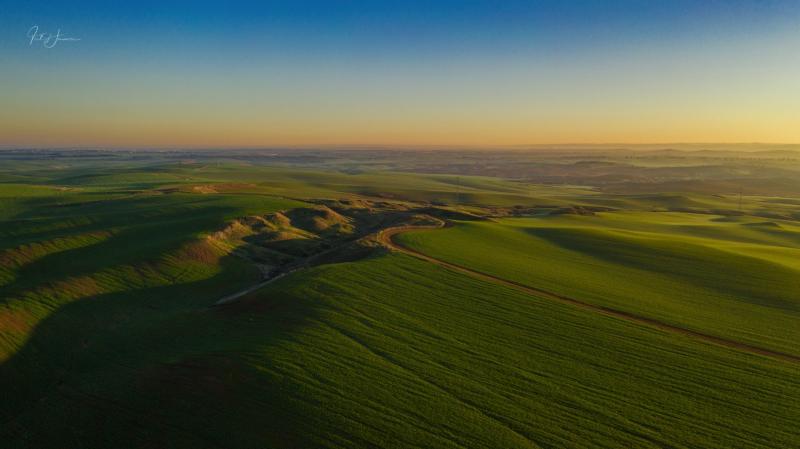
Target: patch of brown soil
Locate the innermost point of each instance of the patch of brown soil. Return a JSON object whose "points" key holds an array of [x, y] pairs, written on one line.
{"points": [[319, 219], [77, 287], [278, 219], [199, 251], [14, 322], [220, 188]]}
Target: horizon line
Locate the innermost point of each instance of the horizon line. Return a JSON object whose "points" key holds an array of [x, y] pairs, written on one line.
{"points": [[363, 146]]}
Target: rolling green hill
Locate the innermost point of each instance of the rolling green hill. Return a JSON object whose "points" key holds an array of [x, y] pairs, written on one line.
{"points": [[110, 336], [736, 278], [388, 352]]}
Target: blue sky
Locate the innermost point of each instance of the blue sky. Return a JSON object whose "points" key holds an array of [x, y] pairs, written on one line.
{"points": [[413, 72]]}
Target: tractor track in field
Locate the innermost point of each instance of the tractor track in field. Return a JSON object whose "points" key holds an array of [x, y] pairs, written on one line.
{"points": [[386, 237]]}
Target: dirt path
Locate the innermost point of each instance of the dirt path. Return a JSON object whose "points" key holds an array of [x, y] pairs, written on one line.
{"points": [[386, 237], [296, 266], [234, 296]]}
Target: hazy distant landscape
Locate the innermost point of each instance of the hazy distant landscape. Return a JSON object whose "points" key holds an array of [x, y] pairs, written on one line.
{"points": [[386, 298]]}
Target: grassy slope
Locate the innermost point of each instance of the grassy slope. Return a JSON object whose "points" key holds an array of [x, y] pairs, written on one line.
{"points": [[108, 341], [69, 246], [736, 278], [392, 352]]}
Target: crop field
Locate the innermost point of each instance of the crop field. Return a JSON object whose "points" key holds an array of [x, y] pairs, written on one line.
{"points": [[395, 353], [734, 277], [226, 303]]}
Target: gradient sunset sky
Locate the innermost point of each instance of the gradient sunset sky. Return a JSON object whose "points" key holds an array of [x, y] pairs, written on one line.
{"points": [[278, 73]]}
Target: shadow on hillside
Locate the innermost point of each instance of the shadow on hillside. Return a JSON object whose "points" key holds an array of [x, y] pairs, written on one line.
{"points": [[154, 368], [732, 276], [161, 235], [45, 218]]}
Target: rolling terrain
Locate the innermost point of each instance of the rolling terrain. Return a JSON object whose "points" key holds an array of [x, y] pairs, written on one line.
{"points": [[236, 304], [736, 278]]}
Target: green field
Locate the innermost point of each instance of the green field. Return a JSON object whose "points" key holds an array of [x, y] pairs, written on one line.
{"points": [[395, 353], [110, 337], [737, 278]]}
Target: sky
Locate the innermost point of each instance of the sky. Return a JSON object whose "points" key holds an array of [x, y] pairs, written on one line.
{"points": [[405, 73]]}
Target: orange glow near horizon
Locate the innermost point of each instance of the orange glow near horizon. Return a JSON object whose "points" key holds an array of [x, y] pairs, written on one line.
{"points": [[701, 82], [201, 132]]}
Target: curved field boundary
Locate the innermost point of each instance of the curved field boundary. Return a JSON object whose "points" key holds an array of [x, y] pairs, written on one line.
{"points": [[386, 237]]}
